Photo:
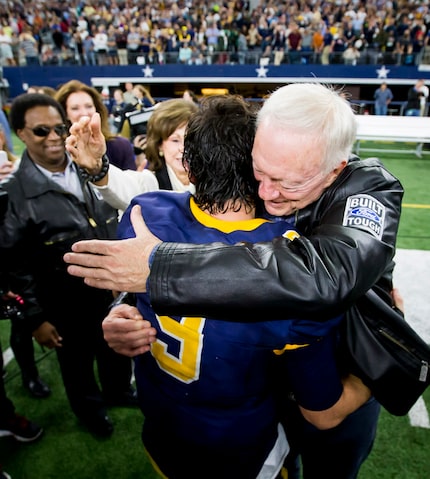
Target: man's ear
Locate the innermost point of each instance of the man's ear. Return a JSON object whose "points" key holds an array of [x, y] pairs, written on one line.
{"points": [[19, 134], [336, 172], [340, 167]]}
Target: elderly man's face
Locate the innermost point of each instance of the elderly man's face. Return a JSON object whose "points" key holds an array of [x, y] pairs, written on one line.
{"points": [[288, 168]]}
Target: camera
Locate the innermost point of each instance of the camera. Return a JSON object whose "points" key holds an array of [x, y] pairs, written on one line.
{"points": [[138, 120], [11, 308]]}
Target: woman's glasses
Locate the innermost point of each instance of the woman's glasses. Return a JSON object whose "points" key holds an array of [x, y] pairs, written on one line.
{"points": [[43, 131]]}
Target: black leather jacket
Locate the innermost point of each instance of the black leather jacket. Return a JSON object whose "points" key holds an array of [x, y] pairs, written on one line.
{"points": [[42, 222], [316, 276]]}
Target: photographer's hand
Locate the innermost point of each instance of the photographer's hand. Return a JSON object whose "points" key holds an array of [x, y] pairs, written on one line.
{"points": [[9, 295], [139, 144]]}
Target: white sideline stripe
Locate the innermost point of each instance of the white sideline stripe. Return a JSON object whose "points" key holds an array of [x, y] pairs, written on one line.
{"points": [[7, 356], [418, 415], [412, 277]]}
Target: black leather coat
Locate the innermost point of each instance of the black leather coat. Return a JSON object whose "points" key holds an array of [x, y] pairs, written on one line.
{"points": [[315, 276], [41, 224]]}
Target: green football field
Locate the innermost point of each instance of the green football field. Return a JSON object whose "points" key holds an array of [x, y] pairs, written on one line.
{"points": [[67, 451]]}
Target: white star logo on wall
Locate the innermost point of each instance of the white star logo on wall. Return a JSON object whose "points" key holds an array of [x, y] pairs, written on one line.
{"points": [[261, 72], [382, 72], [148, 71]]}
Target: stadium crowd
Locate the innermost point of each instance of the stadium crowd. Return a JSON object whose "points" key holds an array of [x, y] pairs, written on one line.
{"points": [[103, 32]]}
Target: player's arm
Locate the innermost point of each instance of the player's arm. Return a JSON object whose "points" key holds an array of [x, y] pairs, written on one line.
{"points": [[323, 396], [354, 395]]}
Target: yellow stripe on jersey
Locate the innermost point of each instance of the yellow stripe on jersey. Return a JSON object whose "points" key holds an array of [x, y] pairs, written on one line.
{"points": [[223, 225], [291, 234], [154, 465], [289, 347], [230, 226]]}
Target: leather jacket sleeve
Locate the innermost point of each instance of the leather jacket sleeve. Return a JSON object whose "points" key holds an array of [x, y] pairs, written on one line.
{"points": [[318, 275]]}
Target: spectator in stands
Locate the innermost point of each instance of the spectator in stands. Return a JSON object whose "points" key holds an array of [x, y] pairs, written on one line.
{"points": [[213, 33], [121, 45], [317, 44], [88, 50], [279, 44], [29, 47], [339, 47], [383, 97], [351, 55], [77, 42], [101, 45], [6, 53], [307, 39], [112, 52], [185, 53], [326, 53], [253, 37], [133, 44], [242, 47]]}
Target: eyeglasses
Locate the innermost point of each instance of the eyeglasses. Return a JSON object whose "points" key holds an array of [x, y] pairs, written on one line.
{"points": [[44, 131]]}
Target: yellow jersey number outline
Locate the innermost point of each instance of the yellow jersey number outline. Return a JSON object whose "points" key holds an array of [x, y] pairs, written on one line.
{"points": [[188, 333]]}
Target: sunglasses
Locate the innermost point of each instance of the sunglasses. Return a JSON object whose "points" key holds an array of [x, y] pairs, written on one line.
{"points": [[44, 131]]}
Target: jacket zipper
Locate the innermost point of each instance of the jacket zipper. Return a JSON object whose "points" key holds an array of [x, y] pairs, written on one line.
{"points": [[424, 364]]}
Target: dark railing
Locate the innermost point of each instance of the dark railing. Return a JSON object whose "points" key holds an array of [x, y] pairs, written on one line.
{"points": [[367, 56]]}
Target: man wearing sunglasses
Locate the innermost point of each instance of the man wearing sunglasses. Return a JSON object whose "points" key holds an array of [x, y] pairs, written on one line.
{"points": [[51, 205]]}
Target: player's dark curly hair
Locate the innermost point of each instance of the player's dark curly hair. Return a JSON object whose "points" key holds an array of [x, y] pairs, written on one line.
{"points": [[217, 153]]}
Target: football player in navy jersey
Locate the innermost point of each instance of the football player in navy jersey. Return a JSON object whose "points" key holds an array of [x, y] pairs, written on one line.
{"points": [[208, 390]]}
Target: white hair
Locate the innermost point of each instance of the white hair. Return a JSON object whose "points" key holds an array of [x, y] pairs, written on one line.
{"points": [[316, 111]]}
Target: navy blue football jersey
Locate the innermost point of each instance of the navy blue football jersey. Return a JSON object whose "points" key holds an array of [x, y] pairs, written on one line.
{"points": [[206, 388]]}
